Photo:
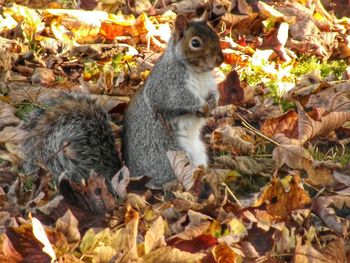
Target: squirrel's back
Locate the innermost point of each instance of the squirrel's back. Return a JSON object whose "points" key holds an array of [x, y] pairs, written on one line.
{"points": [[70, 133]]}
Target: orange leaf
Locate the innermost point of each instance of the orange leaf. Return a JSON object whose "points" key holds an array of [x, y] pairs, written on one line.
{"points": [[281, 201], [286, 124]]}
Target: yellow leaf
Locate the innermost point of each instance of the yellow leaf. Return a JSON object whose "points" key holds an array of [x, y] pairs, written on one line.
{"points": [[40, 235], [172, 255], [155, 236]]}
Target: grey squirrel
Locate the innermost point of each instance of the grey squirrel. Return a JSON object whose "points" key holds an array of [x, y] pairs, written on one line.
{"points": [[70, 134], [169, 111]]}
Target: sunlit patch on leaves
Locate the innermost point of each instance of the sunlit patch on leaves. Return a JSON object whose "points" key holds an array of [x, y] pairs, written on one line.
{"points": [[283, 196]]}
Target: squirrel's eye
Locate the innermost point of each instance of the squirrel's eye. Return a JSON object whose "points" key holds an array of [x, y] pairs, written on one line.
{"points": [[196, 43]]}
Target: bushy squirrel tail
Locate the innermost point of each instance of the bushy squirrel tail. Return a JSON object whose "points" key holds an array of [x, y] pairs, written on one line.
{"points": [[70, 134]]}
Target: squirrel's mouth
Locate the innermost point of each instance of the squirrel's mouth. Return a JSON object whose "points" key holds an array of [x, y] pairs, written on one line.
{"points": [[206, 68]]}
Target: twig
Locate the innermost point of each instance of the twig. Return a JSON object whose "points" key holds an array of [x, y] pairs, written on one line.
{"points": [[251, 128], [232, 194]]}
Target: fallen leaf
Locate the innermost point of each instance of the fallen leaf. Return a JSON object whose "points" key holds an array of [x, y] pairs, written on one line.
{"points": [[326, 208], [309, 128], [120, 182], [92, 195], [232, 139], [43, 76], [68, 225], [335, 251], [286, 124], [307, 253], [40, 235], [342, 178], [224, 254], [246, 165], [318, 174], [292, 155], [7, 115], [230, 90], [182, 168], [283, 196], [172, 255], [154, 237]]}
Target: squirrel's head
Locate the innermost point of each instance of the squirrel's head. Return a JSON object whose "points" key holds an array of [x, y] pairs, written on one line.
{"points": [[198, 43]]}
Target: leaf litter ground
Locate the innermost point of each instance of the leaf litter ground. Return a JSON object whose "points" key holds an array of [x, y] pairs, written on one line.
{"points": [[278, 187]]}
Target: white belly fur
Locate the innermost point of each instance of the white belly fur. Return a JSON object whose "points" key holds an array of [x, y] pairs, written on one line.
{"points": [[188, 127]]}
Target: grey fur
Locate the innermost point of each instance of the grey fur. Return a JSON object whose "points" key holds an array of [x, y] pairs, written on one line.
{"points": [[148, 131], [71, 133]]}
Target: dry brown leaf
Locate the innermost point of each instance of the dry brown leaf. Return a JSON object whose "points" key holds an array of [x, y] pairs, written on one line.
{"points": [[5, 61], [232, 139], [249, 250], [292, 155], [331, 99], [43, 77], [135, 201], [335, 251], [189, 221], [286, 124], [68, 225], [9, 252], [7, 115], [11, 134], [48, 207], [126, 243], [120, 182], [326, 208], [230, 90], [269, 11], [182, 167], [224, 254], [319, 175], [307, 253], [32, 242], [243, 7], [91, 195], [13, 158], [215, 178], [309, 128], [223, 111], [24, 92], [172, 255], [112, 103], [246, 164], [342, 178], [191, 232], [154, 237], [283, 196], [231, 19], [265, 108]]}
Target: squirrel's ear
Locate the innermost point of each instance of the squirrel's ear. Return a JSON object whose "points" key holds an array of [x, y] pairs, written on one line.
{"points": [[202, 14], [181, 23]]}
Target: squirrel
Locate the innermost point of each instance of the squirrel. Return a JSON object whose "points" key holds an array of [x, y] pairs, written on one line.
{"points": [[169, 111], [70, 134]]}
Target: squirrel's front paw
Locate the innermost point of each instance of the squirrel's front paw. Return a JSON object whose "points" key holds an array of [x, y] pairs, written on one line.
{"points": [[204, 111]]}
